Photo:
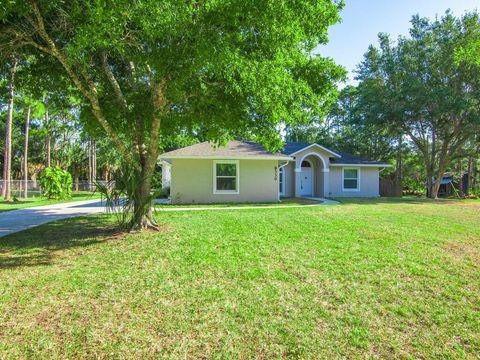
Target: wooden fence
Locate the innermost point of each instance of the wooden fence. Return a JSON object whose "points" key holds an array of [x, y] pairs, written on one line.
{"points": [[389, 187]]}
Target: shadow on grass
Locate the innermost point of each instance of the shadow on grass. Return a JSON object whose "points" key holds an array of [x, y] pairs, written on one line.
{"points": [[38, 246], [16, 202], [5, 205]]}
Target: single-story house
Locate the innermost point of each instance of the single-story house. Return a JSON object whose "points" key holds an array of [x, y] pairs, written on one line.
{"points": [[243, 171]]}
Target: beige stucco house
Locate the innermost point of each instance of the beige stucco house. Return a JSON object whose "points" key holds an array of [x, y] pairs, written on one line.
{"points": [[243, 171]]}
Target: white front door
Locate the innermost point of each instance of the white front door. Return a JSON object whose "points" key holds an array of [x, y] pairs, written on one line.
{"points": [[306, 181]]}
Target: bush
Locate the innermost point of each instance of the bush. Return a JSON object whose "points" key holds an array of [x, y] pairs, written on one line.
{"points": [[162, 193], [157, 178], [121, 195], [474, 194], [56, 183]]}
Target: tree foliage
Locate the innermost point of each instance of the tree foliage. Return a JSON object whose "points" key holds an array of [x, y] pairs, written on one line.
{"points": [[417, 87], [417, 103], [148, 70], [469, 49]]}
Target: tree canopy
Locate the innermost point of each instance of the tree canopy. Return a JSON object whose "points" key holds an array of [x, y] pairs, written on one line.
{"points": [[416, 88], [148, 70], [417, 95]]}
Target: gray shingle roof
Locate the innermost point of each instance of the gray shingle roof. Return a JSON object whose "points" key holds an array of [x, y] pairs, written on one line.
{"points": [[241, 148], [292, 147], [233, 149], [352, 159]]}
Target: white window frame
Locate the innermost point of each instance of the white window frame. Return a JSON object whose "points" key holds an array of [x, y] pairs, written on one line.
{"points": [[281, 171], [237, 163], [358, 178]]}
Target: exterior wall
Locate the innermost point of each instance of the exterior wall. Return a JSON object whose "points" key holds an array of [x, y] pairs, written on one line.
{"points": [[369, 183], [289, 187], [166, 174], [192, 182]]}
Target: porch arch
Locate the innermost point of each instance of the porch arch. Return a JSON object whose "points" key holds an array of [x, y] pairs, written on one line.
{"points": [[298, 162], [320, 174]]}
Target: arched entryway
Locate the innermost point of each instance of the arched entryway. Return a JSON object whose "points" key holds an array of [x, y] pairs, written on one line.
{"points": [[312, 175]]}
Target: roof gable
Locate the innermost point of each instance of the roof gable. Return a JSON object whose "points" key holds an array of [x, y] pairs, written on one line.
{"points": [[294, 148]]}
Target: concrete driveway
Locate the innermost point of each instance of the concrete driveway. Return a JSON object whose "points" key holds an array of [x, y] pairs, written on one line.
{"points": [[18, 220]]}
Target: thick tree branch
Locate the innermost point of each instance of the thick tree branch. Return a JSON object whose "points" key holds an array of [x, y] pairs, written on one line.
{"points": [[119, 97], [113, 82], [90, 93], [159, 105], [416, 141]]}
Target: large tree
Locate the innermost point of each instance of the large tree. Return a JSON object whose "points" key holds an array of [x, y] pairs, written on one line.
{"points": [[418, 87], [148, 69]]}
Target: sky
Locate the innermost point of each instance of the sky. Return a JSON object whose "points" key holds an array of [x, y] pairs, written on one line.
{"points": [[362, 20]]}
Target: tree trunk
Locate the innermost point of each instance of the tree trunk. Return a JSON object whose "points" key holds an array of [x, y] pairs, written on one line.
{"points": [[475, 174], [398, 169], [3, 174], [442, 165], [142, 212], [459, 171], [469, 176], [94, 164], [47, 119], [25, 154], [76, 180], [429, 173], [142, 217], [431, 165], [89, 152], [436, 186], [7, 163]]}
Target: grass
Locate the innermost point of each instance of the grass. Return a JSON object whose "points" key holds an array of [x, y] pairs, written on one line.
{"points": [[23, 203], [367, 278], [285, 201]]}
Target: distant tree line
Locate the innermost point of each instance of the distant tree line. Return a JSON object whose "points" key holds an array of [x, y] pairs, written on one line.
{"points": [[42, 128]]}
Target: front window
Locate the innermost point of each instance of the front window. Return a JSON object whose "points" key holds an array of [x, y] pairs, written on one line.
{"points": [[351, 179], [225, 177]]}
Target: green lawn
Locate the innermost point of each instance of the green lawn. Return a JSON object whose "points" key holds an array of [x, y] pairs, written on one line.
{"points": [[367, 278], [285, 201], [41, 200]]}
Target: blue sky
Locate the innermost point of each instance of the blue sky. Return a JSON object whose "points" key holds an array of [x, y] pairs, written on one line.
{"points": [[362, 20]]}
